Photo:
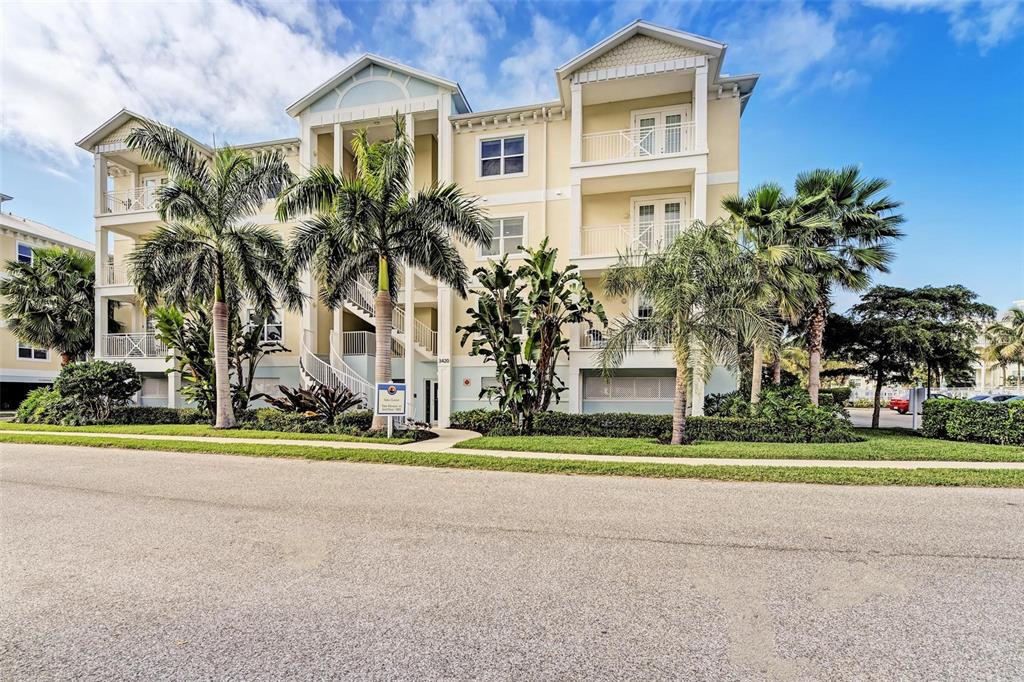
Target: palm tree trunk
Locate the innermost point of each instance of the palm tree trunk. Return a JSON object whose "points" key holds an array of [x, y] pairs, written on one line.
{"points": [[65, 358], [815, 339], [382, 311], [777, 370], [679, 400], [875, 414], [755, 374], [222, 373]]}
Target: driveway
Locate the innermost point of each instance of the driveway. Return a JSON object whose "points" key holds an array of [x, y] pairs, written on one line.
{"points": [[141, 565], [861, 416]]}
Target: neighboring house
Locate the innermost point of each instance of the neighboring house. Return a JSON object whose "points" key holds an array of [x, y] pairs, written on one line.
{"points": [[23, 367], [991, 376], [642, 140]]}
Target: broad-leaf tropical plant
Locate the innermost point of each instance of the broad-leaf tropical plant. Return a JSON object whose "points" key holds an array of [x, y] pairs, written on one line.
{"points": [[207, 250], [369, 227], [1006, 342], [851, 219], [49, 302], [704, 295]]}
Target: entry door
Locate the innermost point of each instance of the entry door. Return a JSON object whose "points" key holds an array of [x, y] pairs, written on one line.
{"points": [[427, 395], [664, 131], [657, 222]]}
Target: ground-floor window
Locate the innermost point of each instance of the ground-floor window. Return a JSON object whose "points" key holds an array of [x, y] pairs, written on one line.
{"points": [[273, 328]]}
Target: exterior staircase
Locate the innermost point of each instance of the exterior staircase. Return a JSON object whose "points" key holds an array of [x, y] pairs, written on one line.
{"points": [[335, 374], [361, 300]]}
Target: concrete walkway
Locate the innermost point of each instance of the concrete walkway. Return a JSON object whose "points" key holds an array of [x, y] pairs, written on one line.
{"points": [[448, 438]]}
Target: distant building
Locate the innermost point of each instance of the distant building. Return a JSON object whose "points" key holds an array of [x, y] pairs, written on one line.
{"points": [[989, 375], [24, 367]]}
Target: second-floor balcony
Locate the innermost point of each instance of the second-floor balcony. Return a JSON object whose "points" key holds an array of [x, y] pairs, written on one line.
{"points": [[114, 275], [596, 339], [611, 240], [133, 345], [642, 142], [130, 200]]}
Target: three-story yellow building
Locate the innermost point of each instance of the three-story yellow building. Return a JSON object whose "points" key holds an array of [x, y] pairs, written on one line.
{"points": [[642, 140]]}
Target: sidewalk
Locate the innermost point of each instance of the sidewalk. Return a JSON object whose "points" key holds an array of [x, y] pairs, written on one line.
{"points": [[447, 438]]}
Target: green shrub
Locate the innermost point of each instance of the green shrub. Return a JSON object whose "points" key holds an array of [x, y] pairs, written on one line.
{"points": [[135, 414], [733, 404], [270, 419], [360, 420], [969, 420], [862, 402], [481, 421], [90, 390], [39, 406], [840, 394]]}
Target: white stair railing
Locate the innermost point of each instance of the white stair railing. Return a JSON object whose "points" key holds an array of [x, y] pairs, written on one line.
{"points": [[425, 337], [323, 373], [363, 296]]}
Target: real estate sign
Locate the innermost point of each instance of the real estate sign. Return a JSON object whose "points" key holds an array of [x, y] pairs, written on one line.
{"points": [[390, 400]]}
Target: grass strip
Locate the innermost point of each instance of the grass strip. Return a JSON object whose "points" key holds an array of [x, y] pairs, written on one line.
{"points": [[885, 446], [200, 430], [989, 478]]}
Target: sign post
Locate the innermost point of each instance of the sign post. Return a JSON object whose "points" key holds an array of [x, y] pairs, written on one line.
{"points": [[390, 403]]}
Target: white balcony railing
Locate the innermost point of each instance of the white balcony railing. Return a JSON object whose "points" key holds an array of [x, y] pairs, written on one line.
{"points": [[115, 276], [130, 200], [365, 343], [640, 143], [596, 339], [610, 240], [139, 345]]}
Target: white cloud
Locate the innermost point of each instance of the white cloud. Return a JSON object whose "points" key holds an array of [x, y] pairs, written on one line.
{"points": [[527, 74], [209, 67], [985, 23]]}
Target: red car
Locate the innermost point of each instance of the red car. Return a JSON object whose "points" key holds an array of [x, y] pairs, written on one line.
{"points": [[901, 405]]}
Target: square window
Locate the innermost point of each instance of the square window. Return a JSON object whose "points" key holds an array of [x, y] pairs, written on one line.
{"points": [[503, 156], [508, 237]]}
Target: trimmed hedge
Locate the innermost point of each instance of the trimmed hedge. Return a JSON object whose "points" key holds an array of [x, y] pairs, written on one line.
{"points": [[659, 426], [840, 394], [972, 421], [134, 414]]}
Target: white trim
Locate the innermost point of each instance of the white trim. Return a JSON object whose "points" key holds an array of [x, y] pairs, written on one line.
{"points": [[481, 257], [691, 40], [528, 197], [33, 349], [31, 249], [488, 137], [724, 178]]}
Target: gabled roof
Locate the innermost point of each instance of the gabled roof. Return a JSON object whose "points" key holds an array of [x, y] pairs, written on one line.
{"points": [[115, 122], [360, 64], [698, 43]]}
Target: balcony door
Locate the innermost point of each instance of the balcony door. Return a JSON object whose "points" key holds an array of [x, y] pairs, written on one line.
{"points": [[662, 131], [658, 220]]}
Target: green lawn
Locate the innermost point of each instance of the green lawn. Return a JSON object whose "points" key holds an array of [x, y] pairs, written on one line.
{"points": [[203, 430], [993, 478], [889, 444]]}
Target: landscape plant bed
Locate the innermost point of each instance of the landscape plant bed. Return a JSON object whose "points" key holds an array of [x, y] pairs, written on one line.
{"points": [[202, 430], [990, 478], [885, 445]]}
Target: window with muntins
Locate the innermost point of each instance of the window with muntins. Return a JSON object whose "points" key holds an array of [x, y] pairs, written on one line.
{"points": [[507, 237], [273, 328], [32, 353], [25, 253], [503, 156]]}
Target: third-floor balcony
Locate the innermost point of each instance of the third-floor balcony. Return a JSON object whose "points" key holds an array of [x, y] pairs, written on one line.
{"points": [[642, 142], [130, 200]]}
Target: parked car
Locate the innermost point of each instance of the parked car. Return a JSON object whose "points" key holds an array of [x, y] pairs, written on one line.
{"points": [[902, 405], [1015, 399], [980, 398], [998, 398]]}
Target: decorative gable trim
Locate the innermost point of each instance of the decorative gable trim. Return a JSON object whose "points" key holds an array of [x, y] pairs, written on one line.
{"points": [[630, 70], [641, 49]]}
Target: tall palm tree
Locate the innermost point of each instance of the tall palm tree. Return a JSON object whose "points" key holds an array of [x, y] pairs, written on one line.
{"points": [[371, 225], [856, 226], [766, 221], [49, 302], [206, 250], [704, 294]]}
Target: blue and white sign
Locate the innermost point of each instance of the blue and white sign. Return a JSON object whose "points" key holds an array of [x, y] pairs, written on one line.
{"points": [[390, 400]]}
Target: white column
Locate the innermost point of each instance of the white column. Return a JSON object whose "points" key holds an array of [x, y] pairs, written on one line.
{"points": [[409, 289], [575, 220], [100, 305], [173, 380], [700, 212], [309, 326], [338, 149], [576, 123], [445, 326], [306, 142], [337, 339], [700, 108], [100, 167]]}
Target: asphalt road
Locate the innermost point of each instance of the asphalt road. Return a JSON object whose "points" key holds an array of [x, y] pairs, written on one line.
{"points": [[129, 565], [887, 419]]}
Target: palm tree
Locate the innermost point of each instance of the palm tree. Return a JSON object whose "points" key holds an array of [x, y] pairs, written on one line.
{"points": [[49, 302], [766, 221], [1006, 341], [704, 294], [373, 224], [855, 226], [207, 251]]}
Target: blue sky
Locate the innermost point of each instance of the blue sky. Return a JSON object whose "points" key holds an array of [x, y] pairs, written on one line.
{"points": [[927, 93]]}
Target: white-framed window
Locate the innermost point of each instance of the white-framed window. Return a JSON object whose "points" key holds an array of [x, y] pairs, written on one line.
{"points": [[644, 307], [508, 236], [26, 254], [273, 327], [26, 352], [502, 156]]}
